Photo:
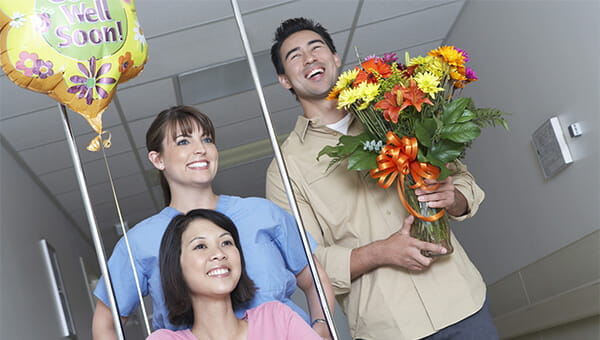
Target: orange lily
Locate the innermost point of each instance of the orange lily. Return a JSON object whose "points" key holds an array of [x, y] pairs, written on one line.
{"points": [[391, 104], [412, 95], [369, 69]]}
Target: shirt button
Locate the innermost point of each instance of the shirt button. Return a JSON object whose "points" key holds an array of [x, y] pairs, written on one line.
{"points": [[388, 212]]}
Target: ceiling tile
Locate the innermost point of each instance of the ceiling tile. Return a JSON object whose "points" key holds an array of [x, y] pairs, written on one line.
{"points": [[336, 16], [64, 180], [147, 100], [246, 180], [102, 192], [56, 156], [439, 20], [246, 131], [45, 126], [232, 109], [154, 16], [16, 100], [285, 120], [378, 10], [138, 130], [189, 50], [33, 129]]}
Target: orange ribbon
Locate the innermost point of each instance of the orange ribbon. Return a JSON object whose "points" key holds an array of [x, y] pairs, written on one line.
{"points": [[399, 157], [98, 142]]}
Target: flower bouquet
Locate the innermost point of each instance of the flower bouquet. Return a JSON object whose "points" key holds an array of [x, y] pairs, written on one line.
{"points": [[414, 124]]}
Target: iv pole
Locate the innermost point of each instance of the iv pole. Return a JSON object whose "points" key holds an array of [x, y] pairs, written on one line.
{"points": [[283, 171], [100, 252]]}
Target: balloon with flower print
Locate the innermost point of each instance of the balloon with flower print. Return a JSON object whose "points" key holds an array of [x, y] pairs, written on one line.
{"points": [[75, 51]]}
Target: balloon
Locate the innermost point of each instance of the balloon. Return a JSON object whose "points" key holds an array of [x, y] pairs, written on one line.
{"points": [[75, 51]]}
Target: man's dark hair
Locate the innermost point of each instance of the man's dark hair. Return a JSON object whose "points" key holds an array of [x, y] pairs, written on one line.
{"points": [[175, 289], [290, 27]]}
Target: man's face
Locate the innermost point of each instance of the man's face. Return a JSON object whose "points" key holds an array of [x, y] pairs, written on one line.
{"points": [[311, 69]]}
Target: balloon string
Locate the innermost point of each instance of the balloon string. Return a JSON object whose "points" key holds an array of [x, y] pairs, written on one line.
{"points": [[131, 261]]}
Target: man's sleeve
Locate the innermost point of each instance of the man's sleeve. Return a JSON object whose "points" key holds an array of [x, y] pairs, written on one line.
{"points": [[335, 259], [465, 183]]}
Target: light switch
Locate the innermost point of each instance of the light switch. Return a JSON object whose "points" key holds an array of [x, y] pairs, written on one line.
{"points": [[575, 130]]}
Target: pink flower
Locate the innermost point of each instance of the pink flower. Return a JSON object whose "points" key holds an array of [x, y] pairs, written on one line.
{"points": [[470, 74], [26, 63], [464, 53], [389, 58]]}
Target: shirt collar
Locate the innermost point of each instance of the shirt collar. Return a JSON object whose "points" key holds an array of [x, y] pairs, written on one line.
{"points": [[303, 124]]}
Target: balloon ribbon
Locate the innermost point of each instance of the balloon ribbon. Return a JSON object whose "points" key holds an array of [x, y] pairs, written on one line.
{"points": [[398, 158], [96, 143]]}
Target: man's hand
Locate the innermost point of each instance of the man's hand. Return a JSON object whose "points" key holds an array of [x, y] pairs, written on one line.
{"points": [[405, 251], [400, 250], [446, 196]]}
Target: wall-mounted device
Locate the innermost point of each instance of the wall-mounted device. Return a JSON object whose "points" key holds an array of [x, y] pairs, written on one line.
{"points": [[551, 147]]}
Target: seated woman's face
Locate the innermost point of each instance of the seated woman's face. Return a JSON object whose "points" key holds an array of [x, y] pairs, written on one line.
{"points": [[210, 260]]}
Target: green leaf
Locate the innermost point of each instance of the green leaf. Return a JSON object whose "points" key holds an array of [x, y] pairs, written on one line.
{"points": [[461, 133], [362, 160], [489, 116], [467, 115], [444, 172], [425, 130], [454, 110], [445, 152], [331, 151], [345, 146]]}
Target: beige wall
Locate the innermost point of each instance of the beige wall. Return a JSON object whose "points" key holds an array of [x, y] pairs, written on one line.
{"points": [[27, 310], [535, 240]]}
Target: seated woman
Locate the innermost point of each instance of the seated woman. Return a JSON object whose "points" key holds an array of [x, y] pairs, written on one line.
{"points": [[204, 280]]}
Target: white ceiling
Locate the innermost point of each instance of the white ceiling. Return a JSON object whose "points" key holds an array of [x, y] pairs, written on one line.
{"points": [[185, 36]]}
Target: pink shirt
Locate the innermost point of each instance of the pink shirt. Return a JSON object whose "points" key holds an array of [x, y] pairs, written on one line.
{"points": [[272, 320]]}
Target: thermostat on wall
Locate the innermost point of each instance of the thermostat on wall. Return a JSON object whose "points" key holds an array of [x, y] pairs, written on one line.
{"points": [[551, 147]]}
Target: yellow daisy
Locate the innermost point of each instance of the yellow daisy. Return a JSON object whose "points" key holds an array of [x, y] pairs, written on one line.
{"points": [[344, 80], [437, 67], [367, 93], [428, 83], [418, 60], [347, 97]]}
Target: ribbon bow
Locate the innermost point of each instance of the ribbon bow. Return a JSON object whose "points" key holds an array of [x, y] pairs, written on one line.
{"points": [[98, 142], [399, 158]]}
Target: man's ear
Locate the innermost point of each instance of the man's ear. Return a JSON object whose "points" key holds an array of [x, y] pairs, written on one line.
{"points": [[284, 81], [338, 61], [156, 160]]}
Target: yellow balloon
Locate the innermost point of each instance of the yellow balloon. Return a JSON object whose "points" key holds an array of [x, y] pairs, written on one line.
{"points": [[75, 51]]}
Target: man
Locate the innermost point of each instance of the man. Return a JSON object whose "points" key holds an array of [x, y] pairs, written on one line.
{"points": [[386, 287]]}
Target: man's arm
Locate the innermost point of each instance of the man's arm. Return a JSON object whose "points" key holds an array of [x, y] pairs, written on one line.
{"points": [[346, 264], [103, 327]]}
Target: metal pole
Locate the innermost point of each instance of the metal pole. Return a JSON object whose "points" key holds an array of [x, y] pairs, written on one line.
{"points": [[100, 253], [283, 171]]}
